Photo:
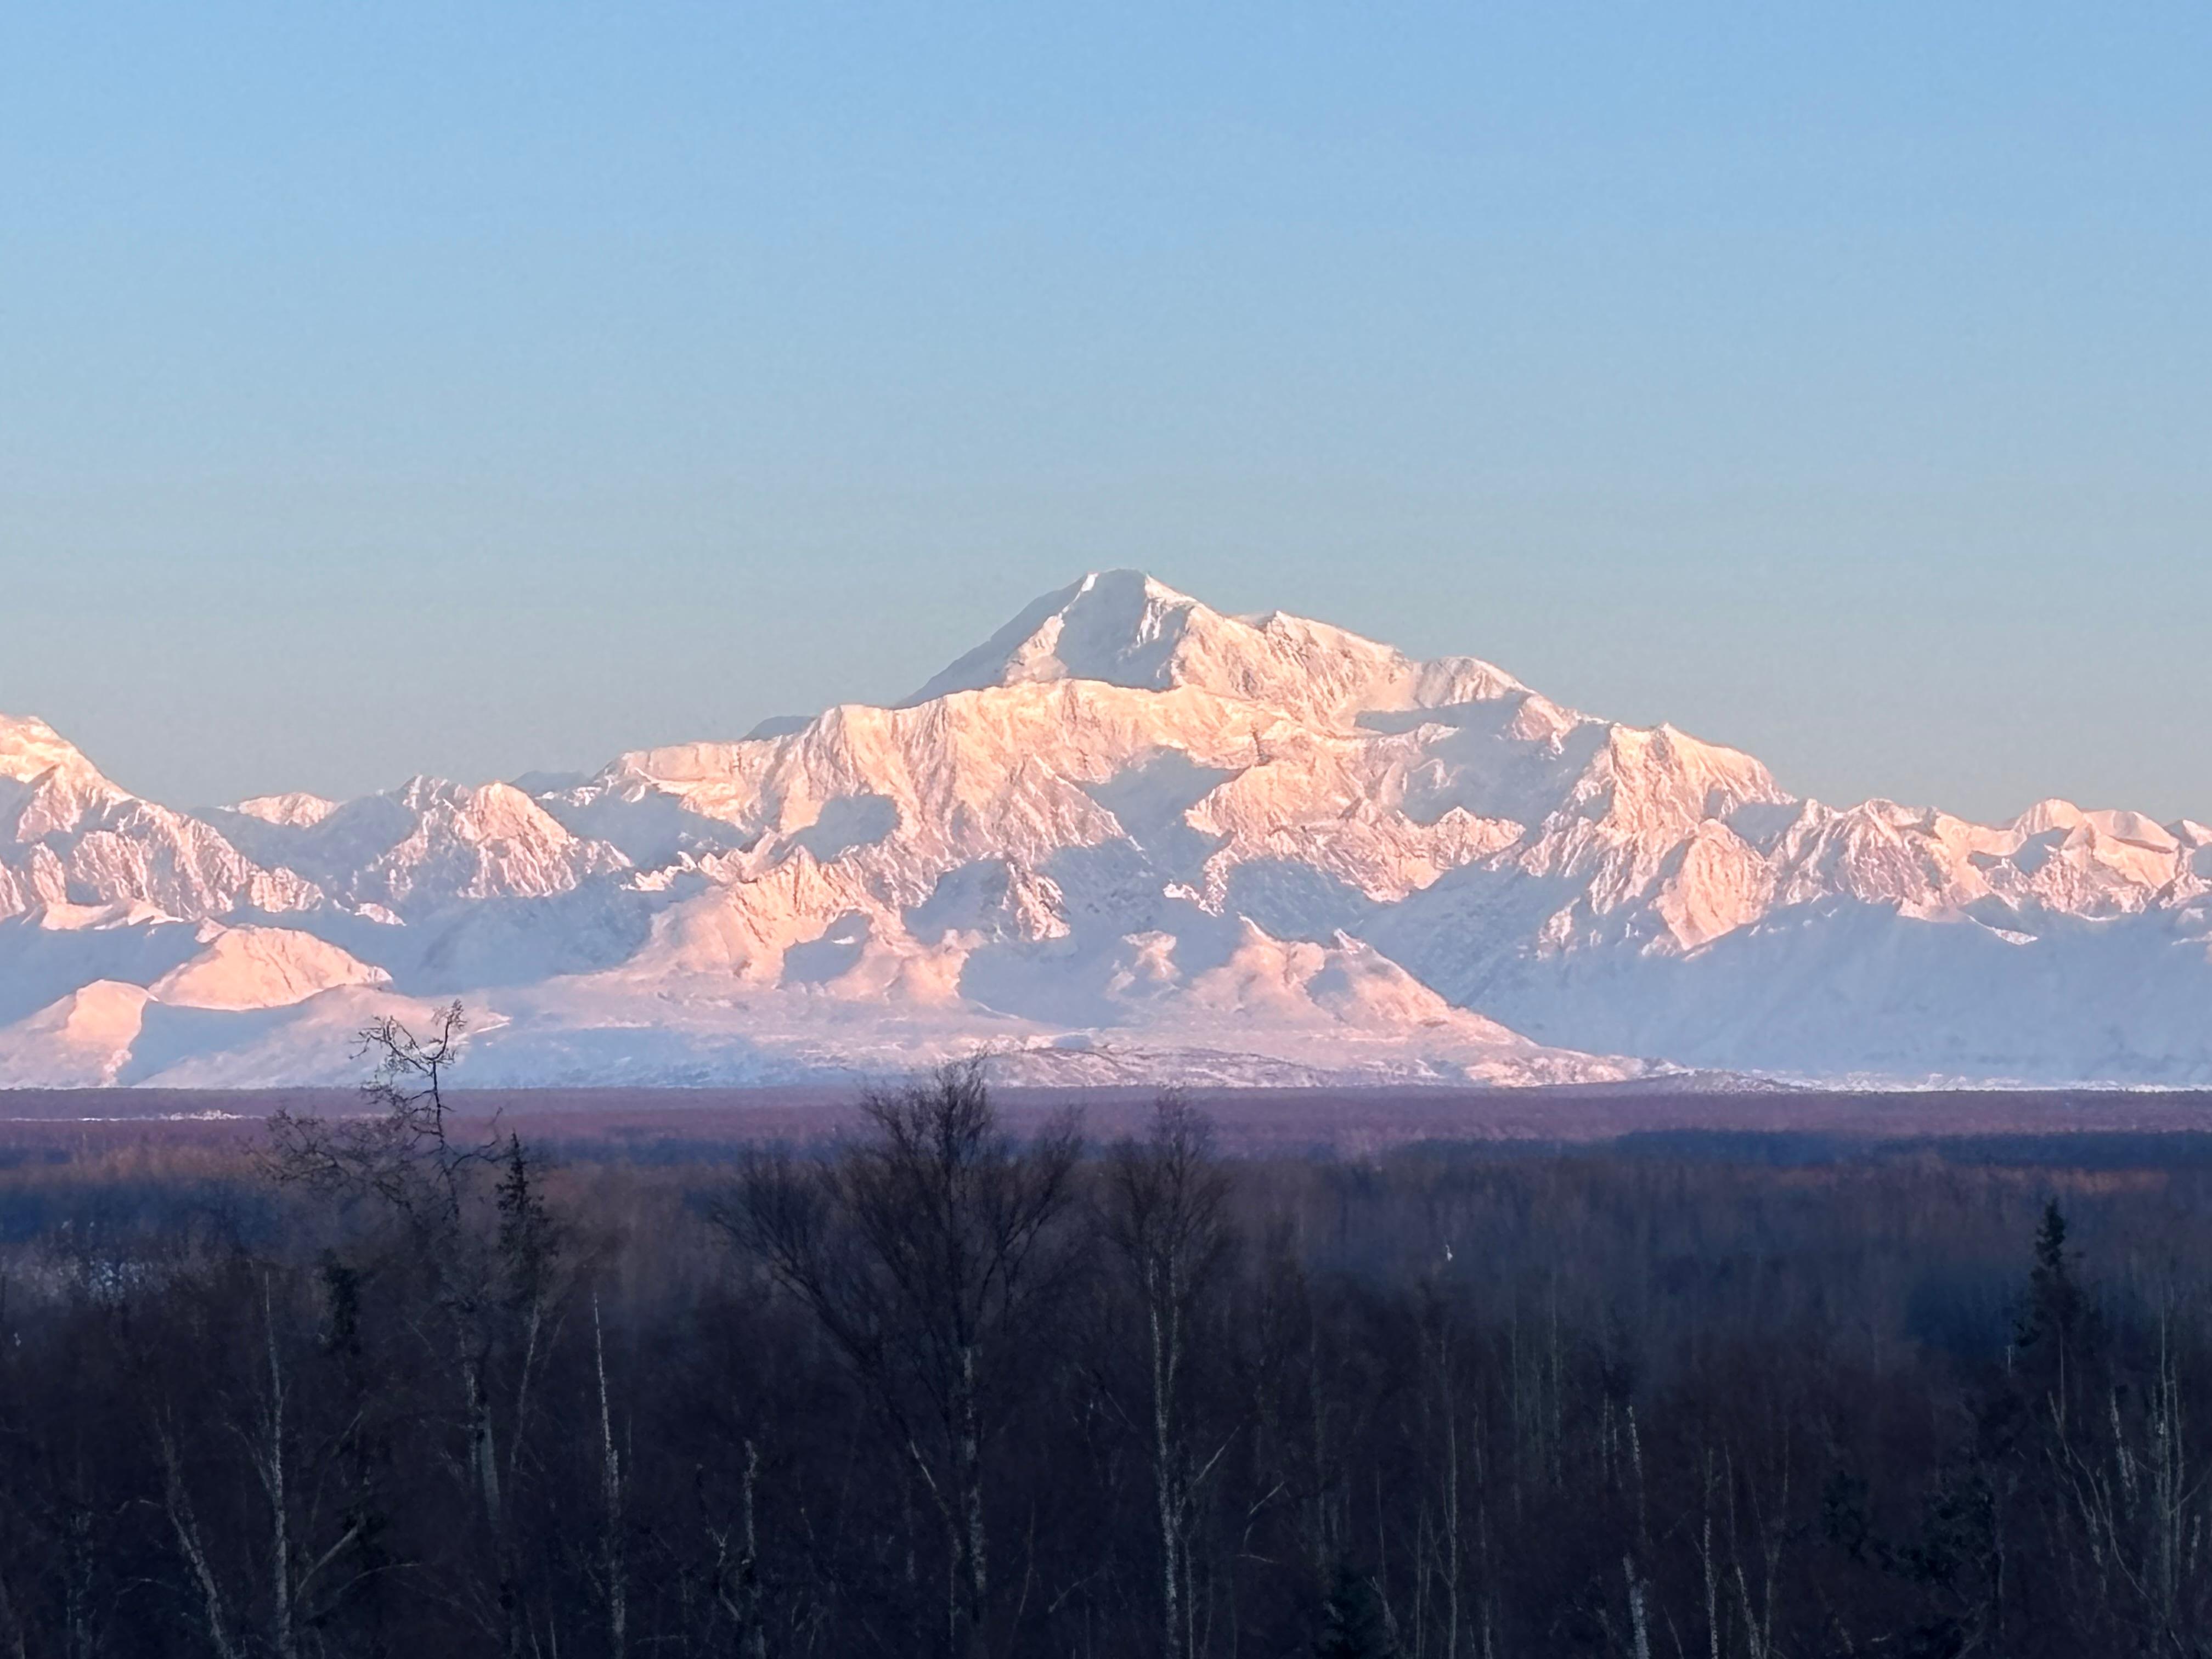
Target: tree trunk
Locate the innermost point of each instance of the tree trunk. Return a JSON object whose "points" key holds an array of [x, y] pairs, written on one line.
{"points": [[611, 1494], [970, 1639]]}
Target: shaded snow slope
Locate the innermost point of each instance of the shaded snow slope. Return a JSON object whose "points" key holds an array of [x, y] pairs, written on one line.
{"points": [[1127, 838]]}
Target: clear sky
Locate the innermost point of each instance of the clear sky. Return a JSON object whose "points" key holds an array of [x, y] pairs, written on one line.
{"points": [[396, 387]]}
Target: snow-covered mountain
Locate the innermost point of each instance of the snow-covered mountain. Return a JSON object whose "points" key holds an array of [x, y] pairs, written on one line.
{"points": [[1126, 838], [70, 836]]}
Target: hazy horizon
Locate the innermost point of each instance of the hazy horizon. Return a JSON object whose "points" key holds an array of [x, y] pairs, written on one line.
{"points": [[491, 391]]}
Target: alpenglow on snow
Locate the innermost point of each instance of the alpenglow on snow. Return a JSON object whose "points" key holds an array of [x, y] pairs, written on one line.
{"points": [[1127, 839]]}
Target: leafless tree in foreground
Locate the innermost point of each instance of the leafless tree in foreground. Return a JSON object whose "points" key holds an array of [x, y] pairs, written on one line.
{"points": [[926, 1250], [1166, 1216], [402, 1151], [487, 1256]]}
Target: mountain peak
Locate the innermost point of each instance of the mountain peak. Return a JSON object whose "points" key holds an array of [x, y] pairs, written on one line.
{"points": [[2053, 813], [29, 747], [1125, 628], [294, 810], [1118, 626]]}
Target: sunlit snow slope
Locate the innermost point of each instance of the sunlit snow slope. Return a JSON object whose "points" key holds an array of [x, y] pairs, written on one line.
{"points": [[1127, 839]]}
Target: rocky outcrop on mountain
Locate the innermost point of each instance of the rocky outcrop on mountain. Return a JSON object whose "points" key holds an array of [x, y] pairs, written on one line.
{"points": [[1127, 837]]}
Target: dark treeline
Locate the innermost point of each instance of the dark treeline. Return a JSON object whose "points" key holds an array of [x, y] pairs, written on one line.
{"points": [[399, 1388]]}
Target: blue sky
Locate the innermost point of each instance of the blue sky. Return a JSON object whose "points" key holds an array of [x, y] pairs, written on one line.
{"points": [[475, 389]]}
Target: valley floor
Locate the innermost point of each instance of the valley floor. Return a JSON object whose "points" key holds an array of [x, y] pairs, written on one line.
{"points": [[1338, 1122]]}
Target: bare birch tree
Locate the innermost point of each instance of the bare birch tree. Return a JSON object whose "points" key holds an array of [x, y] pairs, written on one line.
{"points": [[926, 1250], [1166, 1203]]}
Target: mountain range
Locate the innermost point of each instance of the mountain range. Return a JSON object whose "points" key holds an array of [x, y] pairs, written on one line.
{"points": [[1129, 838]]}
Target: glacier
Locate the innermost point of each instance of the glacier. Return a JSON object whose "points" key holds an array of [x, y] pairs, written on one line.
{"points": [[1128, 839]]}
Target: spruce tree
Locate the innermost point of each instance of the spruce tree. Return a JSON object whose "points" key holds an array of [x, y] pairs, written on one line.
{"points": [[1354, 1624]]}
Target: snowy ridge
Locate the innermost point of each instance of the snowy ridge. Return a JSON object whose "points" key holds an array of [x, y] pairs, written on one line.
{"points": [[1127, 838]]}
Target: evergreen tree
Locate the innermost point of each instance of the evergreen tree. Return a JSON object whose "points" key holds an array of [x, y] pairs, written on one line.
{"points": [[1354, 1624], [2057, 1317], [2058, 1324]]}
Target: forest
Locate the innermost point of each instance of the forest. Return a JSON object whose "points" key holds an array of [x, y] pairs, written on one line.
{"points": [[407, 1382]]}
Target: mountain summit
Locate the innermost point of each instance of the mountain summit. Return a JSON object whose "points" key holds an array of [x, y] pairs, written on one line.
{"points": [[1129, 838], [1121, 627]]}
